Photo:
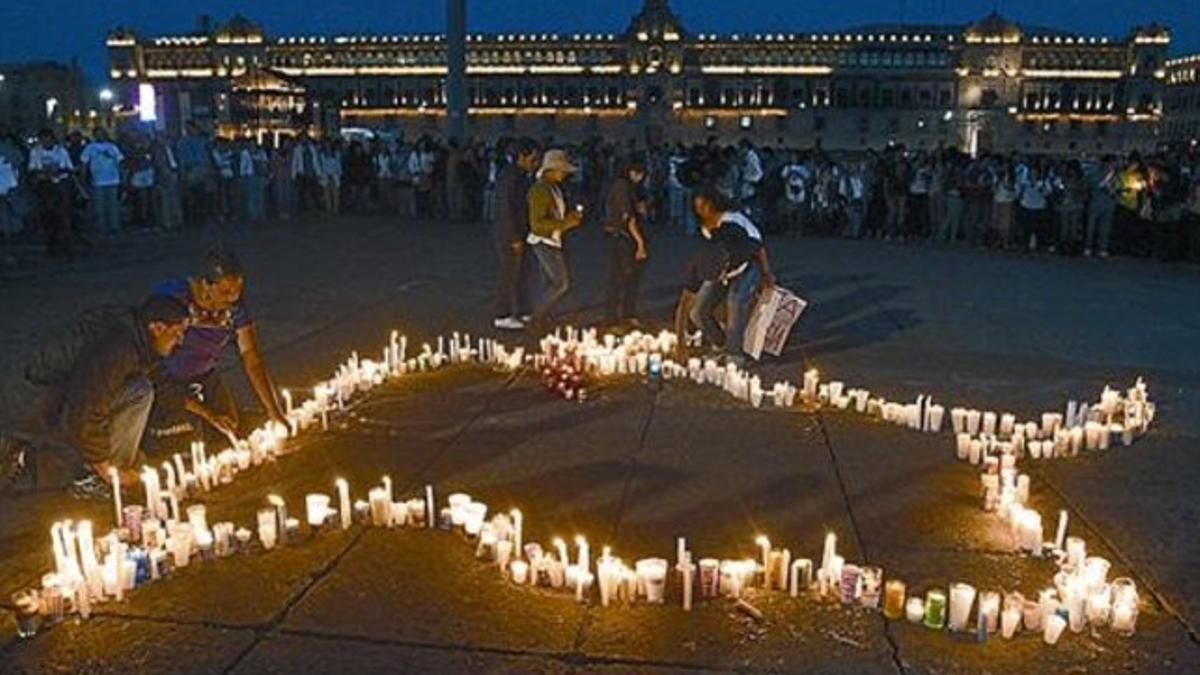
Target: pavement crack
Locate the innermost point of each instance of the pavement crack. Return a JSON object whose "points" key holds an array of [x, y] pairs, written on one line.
{"points": [[273, 626], [626, 489], [858, 537]]}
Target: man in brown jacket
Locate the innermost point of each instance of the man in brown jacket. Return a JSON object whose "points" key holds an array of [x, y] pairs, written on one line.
{"points": [[549, 219]]}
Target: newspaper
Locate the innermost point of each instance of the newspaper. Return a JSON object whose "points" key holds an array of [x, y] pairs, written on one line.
{"points": [[771, 322]]}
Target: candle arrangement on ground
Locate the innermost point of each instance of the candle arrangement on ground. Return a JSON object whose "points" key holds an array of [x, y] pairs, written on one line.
{"points": [[148, 543]]}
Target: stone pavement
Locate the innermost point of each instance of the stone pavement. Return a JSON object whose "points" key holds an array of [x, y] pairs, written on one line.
{"points": [[635, 468]]}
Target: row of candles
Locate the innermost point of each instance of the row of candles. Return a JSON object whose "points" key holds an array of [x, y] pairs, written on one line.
{"points": [[151, 540]]}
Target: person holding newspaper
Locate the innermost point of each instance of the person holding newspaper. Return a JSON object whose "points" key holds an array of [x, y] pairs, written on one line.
{"points": [[747, 270]]}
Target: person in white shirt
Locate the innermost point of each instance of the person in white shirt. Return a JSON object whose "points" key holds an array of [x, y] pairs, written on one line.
{"points": [[1032, 191], [50, 171], [102, 160]]}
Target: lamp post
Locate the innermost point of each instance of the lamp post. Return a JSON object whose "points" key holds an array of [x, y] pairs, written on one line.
{"points": [[456, 69]]}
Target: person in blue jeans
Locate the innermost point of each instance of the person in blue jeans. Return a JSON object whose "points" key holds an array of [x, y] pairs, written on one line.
{"points": [[747, 270]]}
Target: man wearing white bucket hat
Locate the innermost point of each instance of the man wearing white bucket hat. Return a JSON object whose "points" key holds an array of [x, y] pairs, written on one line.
{"points": [[549, 218]]}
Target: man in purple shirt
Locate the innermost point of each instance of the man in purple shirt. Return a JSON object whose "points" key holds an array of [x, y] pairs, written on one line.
{"points": [[191, 381]]}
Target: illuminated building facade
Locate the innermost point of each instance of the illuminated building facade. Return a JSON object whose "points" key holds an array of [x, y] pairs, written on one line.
{"points": [[989, 85], [1182, 106]]}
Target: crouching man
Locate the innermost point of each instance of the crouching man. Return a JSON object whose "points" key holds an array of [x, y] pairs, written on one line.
{"points": [[99, 386]]}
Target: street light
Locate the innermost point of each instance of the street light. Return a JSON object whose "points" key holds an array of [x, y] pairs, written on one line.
{"points": [[106, 94]]}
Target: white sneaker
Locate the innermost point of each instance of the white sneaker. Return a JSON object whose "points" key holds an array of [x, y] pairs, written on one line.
{"points": [[508, 323]]}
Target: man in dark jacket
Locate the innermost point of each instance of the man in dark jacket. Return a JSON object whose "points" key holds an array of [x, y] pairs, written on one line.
{"points": [[99, 384], [510, 229]]}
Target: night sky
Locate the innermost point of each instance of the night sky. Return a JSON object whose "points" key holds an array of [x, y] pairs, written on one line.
{"points": [[62, 29]]}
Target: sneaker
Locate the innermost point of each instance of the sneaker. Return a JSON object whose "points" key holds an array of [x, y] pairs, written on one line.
{"points": [[91, 487], [508, 323]]}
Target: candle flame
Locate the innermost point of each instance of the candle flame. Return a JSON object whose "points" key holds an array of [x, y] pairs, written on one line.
{"points": [[275, 500]]}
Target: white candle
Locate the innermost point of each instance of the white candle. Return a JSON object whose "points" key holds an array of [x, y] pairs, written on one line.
{"points": [[1061, 536], [764, 547], [561, 547], [343, 489], [518, 524], [1009, 620], [153, 492], [287, 399], [830, 552], [583, 562], [114, 477], [430, 516], [688, 570]]}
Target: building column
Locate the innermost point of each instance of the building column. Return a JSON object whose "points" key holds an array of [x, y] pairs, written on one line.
{"points": [[456, 69]]}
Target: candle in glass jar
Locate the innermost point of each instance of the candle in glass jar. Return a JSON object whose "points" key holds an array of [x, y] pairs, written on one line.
{"points": [[893, 599], [935, 609]]}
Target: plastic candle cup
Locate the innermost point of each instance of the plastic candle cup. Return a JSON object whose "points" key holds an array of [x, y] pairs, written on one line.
{"points": [[652, 576], [316, 509], [519, 570], [267, 524], [962, 597], [1053, 628]]}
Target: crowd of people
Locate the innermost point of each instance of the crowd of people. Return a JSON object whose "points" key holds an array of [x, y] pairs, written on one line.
{"points": [[72, 190]]}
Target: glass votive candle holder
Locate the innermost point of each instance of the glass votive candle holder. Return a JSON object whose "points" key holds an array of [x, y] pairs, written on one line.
{"points": [[935, 609]]}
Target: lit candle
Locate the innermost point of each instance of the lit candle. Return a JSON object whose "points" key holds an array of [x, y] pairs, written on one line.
{"points": [[561, 547], [114, 477], [764, 547], [280, 515], [801, 576], [287, 399], [519, 570], [583, 562], [1009, 622], [343, 489]]}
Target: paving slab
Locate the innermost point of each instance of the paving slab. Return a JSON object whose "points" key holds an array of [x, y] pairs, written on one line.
{"points": [[795, 635], [291, 653], [110, 645], [426, 587]]}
